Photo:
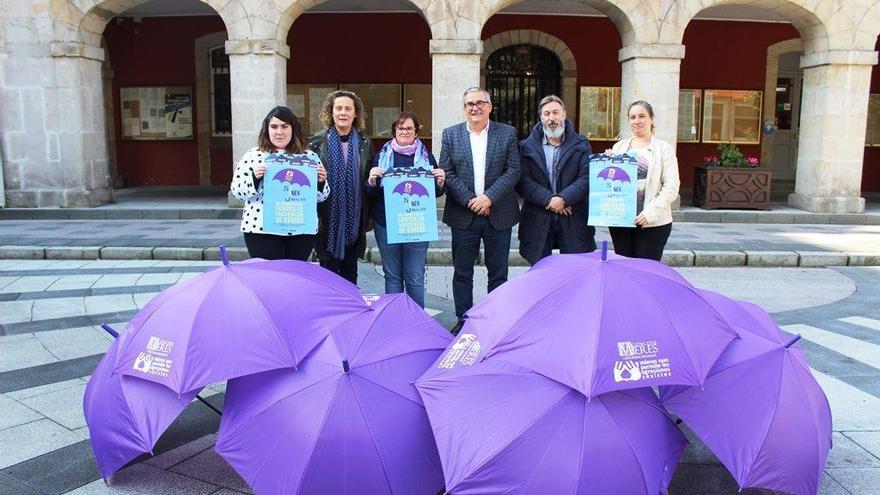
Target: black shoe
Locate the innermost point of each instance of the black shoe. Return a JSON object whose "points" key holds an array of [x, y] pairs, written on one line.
{"points": [[457, 328]]}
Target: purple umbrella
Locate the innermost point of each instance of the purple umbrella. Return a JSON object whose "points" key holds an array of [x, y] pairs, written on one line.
{"points": [[614, 173], [239, 319], [412, 188], [599, 326], [760, 411], [126, 415], [501, 428], [349, 419], [293, 176]]}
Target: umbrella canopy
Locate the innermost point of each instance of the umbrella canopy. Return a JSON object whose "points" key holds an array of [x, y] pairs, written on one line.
{"points": [[238, 319], [599, 325], [125, 414], [501, 428], [349, 419], [760, 411]]}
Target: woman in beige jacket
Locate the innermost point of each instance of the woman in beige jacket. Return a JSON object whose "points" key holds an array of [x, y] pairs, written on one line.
{"points": [[657, 187]]}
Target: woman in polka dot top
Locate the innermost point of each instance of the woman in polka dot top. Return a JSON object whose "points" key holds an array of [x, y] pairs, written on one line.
{"points": [[281, 132]]}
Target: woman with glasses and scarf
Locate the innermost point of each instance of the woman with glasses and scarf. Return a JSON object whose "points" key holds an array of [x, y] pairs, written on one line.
{"points": [[345, 149], [403, 263]]}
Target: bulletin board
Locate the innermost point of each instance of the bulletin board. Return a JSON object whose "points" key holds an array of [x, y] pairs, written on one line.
{"points": [[381, 104], [305, 100], [156, 113]]}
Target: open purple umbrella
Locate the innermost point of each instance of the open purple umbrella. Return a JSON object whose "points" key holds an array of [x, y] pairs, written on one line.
{"points": [[292, 176], [760, 411], [501, 428], [599, 325], [125, 414], [238, 319], [349, 419], [412, 188]]}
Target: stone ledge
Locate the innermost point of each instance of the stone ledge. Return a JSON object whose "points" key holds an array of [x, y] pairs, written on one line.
{"points": [[22, 252], [455, 47], [177, 253], [771, 258], [863, 259], [652, 50], [126, 253], [73, 252], [678, 257], [821, 258], [719, 258]]}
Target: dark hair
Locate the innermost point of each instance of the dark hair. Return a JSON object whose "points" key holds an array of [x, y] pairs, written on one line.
{"points": [[401, 118], [327, 109], [297, 138], [648, 107]]}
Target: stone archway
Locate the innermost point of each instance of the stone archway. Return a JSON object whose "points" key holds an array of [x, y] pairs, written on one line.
{"points": [[544, 40], [204, 111]]}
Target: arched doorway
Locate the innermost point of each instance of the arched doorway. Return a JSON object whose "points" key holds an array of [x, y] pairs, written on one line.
{"points": [[517, 77]]}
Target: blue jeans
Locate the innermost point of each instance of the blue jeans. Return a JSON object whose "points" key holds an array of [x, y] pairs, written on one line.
{"points": [[403, 264]]}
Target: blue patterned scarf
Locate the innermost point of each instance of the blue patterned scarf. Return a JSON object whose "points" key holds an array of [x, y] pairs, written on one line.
{"points": [[344, 218]]}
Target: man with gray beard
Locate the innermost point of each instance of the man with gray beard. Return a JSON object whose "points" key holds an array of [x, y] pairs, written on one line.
{"points": [[554, 163]]}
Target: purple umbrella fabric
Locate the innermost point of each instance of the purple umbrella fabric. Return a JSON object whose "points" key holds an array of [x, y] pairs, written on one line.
{"points": [[760, 411], [501, 428], [238, 319], [126, 415], [349, 419], [599, 326]]}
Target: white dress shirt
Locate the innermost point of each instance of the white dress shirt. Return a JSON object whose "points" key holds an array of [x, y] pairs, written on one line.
{"points": [[479, 145]]}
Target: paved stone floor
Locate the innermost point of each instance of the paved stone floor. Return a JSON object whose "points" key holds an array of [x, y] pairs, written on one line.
{"points": [[50, 342]]}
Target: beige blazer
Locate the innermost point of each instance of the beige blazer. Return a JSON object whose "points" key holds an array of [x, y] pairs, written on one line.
{"points": [[661, 184]]}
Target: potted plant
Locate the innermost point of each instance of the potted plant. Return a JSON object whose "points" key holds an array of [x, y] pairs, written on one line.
{"points": [[731, 180]]}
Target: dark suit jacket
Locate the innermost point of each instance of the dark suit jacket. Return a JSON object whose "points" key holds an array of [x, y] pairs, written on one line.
{"points": [[572, 184], [502, 173]]}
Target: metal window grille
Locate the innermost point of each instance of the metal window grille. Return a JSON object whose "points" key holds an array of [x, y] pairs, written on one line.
{"points": [[221, 99], [517, 77]]}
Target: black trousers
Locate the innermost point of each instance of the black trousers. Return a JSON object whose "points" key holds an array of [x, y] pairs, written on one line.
{"points": [[640, 242], [465, 248], [347, 267], [279, 247]]}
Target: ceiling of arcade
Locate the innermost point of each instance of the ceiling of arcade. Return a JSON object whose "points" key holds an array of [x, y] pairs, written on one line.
{"points": [[825, 24]]}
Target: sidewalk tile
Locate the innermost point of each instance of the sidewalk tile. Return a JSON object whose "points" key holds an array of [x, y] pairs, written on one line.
{"points": [[145, 479], [175, 456], [848, 454], [30, 440], [62, 406], [209, 466], [15, 311], [23, 352], [31, 284], [868, 440], [67, 282], [59, 307], [50, 388], [14, 413], [77, 342], [861, 481], [109, 303], [117, 280]]}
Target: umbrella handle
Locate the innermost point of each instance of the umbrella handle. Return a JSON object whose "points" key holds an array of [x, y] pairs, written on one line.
{"points": [[223, 255], [604, 250], [793, 340]]}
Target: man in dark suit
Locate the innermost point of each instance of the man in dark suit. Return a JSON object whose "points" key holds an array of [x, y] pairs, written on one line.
{"points": [[481, 161], [554, 183]]}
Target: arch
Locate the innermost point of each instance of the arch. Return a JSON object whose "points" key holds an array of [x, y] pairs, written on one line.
{"points": [[287, 11], [544, 40], [808, 21], [616, 10], [86, 24]]}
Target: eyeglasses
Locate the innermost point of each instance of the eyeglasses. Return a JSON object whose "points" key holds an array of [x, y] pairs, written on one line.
{"points": [[405, 129], [476, 104]]}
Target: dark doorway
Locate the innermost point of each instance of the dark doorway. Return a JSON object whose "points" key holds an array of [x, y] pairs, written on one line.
{"points": [[517, 77]]}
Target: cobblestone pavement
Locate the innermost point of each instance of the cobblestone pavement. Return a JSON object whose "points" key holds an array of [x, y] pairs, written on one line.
{"points": [[50, 342]]}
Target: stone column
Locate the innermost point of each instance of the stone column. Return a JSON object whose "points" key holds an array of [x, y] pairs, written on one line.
{"points": [[651, 73], [53, 127], [258, 79], [831, 144], [456, 67]]}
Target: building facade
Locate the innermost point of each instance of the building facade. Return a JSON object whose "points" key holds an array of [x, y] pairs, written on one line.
{"points": [[97, 94]]}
